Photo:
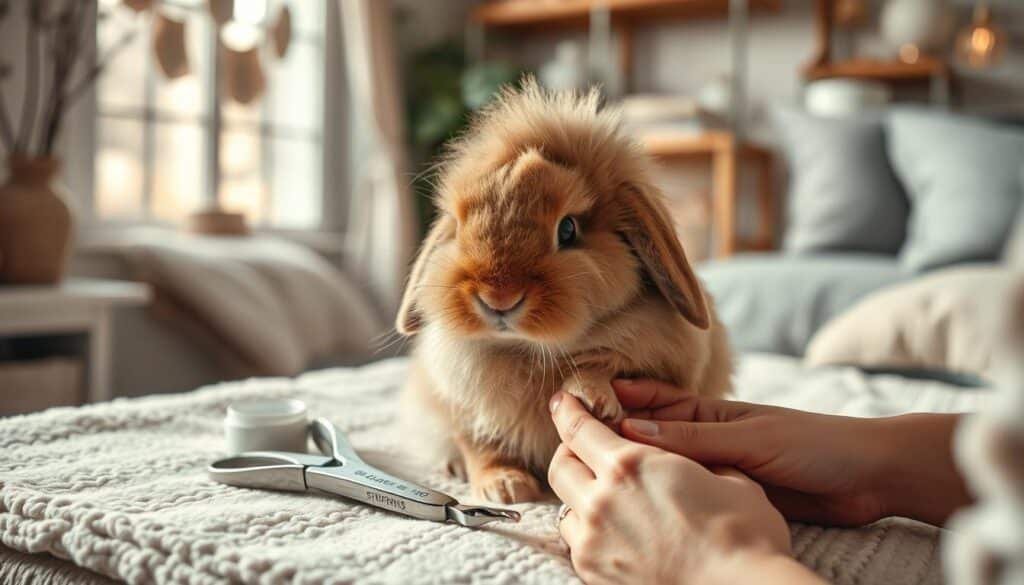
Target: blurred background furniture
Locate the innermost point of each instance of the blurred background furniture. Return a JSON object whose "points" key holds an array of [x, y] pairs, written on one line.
{"points": [[56, 342], [230, 307], [875, 201], [610, 26], [911, 65]]}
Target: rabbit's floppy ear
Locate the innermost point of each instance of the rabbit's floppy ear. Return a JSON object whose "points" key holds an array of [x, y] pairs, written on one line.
{"points": [[648, 230], [409, 317]]}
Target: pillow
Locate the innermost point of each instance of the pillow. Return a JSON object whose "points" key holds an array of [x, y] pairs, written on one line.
{"points": [[775, 302], [948, 320], [1014, 254], [843, 193], [962, 178]]}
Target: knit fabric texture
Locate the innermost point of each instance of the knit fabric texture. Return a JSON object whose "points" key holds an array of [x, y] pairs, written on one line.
{"points": [[120, 488]]}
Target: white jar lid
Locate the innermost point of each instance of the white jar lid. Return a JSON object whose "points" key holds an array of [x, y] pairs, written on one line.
{"points": [[266, 425], [262, 413]]}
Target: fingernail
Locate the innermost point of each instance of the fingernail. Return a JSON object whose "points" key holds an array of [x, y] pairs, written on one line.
{"points": [[555, 401], [643, 427]]}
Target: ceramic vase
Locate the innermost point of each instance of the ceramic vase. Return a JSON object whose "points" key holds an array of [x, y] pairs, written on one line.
{"points": [[35, 223]]}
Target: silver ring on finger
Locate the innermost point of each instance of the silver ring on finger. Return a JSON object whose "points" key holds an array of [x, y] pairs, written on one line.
{"points": [[563, 512]]}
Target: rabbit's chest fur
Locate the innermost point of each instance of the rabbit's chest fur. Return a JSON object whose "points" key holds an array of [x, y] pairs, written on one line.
{"points": [[497, 393]]}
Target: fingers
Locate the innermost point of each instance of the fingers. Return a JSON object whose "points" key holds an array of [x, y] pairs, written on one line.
{"points": [[570, 528], [707, 443], [730, 472], [583, 434], [568, 476], [570, 479], [658, 400], [646, 394]]}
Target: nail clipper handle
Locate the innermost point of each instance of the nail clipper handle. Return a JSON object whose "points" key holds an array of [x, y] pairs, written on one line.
{"points": [[332, 443], [379, 489]]}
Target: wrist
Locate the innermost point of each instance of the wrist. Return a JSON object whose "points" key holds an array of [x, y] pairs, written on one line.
{"points": [[918, 477], [748, 566]]}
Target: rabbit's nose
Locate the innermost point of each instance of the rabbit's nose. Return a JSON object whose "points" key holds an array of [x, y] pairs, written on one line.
{"points": [[500, 301]]}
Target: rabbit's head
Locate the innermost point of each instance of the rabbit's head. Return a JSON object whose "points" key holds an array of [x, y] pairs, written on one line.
{"points": [[547, 223]]}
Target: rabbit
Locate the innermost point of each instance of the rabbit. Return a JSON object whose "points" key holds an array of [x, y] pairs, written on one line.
{"points": [[552, 265]]}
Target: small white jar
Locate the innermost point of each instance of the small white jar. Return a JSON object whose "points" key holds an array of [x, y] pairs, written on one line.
{"points": [[266, 425]]}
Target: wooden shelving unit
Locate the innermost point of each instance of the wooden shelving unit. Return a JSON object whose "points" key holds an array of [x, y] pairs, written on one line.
{"points": [[896, 71], [560, 13], [725, 155], [824, 64]]}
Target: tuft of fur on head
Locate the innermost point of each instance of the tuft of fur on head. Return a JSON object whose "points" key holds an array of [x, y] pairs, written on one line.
{"points": [[569, 128]]}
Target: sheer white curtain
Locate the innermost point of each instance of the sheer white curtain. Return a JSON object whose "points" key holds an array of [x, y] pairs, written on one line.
{"points": [[381, 222]]}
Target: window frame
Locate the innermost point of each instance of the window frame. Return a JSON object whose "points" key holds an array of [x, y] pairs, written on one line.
{"points": [[330, 137]]}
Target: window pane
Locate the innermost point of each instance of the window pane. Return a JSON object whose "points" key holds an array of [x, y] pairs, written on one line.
{"points": [[184, 95], [242, 189], [236, 114], [123, 83], [250, 11], [178, 172], [296, 183], [307, 15], [295, 87], [119, 173], [245, 195]]}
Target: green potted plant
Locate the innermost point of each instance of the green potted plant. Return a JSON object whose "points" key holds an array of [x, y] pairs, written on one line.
{"points": [[443, 91]]}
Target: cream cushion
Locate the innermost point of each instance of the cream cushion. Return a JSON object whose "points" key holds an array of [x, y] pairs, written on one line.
{"points": [[949, 320]]}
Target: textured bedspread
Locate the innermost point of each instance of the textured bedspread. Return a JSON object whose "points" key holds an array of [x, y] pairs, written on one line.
{"points": [[120, 489]]}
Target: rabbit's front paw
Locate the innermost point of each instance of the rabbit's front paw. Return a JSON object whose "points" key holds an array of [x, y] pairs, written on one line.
{"points": [[596, 393], [506, 485]]}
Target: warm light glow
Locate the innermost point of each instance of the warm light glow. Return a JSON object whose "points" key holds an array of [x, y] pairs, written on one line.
{"points": [[981, 44], [119, 179], [240, 37], [240, 154], [245, 196], [251, 12], [982, 40], [909, 54]]}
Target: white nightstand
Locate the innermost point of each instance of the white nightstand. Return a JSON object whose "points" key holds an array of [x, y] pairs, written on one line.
{"points": [[74, 307]]}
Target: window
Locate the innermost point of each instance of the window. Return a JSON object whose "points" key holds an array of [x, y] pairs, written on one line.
{"points": [[154, 138]]}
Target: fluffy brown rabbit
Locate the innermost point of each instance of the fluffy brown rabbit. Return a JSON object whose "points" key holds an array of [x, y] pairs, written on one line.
{"points": [[552, 264]]}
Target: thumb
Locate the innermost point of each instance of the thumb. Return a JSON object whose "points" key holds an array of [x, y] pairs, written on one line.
{"points": [[708, 443]]}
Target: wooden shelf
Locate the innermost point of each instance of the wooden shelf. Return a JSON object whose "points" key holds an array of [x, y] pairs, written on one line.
{"points": [[720, 148], [554, 13], [923, 70], [703, 144]]}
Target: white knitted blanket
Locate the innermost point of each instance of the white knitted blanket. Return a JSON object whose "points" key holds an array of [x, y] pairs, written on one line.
{"points": [[120, 489]]}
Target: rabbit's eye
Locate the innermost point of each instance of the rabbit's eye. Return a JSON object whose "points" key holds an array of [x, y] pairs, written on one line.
{"points": [[567, 232]]}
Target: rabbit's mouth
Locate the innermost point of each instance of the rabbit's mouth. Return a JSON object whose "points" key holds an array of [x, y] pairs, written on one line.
{"points": [[501, 320]]}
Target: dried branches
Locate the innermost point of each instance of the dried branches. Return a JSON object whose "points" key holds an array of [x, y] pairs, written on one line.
{"points": [[59, 37], [6, 128]]}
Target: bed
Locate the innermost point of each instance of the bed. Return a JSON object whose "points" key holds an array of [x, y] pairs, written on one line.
{"points": [[119, 490]]}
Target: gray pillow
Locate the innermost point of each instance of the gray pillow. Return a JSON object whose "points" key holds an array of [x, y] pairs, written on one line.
{"points": [[776, 302], [844, 195], [1014, 254], [962, 176]]}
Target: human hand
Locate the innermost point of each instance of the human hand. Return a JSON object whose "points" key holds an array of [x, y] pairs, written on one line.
{"points": [[818, 468], [643, 515]]}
